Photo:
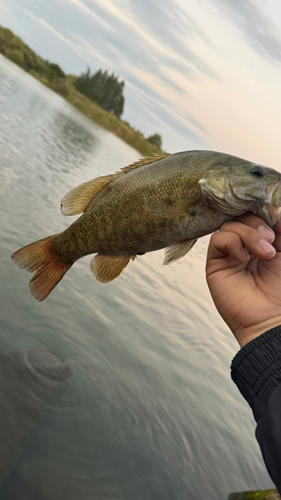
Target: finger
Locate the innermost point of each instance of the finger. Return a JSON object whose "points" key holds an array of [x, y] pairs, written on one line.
{"points": [[234, 237], [277, 242], [256, 222], [254, 239], [223, 244]]}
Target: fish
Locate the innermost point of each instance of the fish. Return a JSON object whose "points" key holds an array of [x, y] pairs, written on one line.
{"points": [[164, 201]]}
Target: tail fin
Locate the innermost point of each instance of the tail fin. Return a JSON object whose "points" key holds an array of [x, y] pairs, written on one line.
{"points": [[40, 257]]}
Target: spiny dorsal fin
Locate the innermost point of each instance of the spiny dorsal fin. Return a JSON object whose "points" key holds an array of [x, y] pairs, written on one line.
{"points": [[143, 161], [76, 201], [177, 251]]}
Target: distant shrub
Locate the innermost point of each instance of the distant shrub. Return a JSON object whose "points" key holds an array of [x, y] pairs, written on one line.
{"points": [[31, 60], [16, 56], [103, 88], [60, 87], [54, 72], [17, 51], [155, 139], [6, 35]]}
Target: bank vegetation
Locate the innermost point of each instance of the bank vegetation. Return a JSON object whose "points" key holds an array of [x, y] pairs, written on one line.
{"points": [[69, 87]]}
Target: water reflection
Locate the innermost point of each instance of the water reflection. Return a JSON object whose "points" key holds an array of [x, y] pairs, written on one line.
{"points": [[27, 382], [70, 144], [149, 410]]}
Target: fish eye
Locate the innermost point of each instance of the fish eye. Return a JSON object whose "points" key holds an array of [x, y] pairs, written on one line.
{"points": [[258, 172]]}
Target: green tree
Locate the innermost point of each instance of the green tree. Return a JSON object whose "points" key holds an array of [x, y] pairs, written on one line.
{"points": [[155, 139], [12, 47], [103, 88], [16, 56], [54, 72]]}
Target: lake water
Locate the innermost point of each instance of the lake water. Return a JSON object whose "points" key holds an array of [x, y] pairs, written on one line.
{"points": [[149, 411]]}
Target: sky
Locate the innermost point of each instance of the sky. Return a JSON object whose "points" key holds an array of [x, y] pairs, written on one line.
{"points": [[205, 74]]}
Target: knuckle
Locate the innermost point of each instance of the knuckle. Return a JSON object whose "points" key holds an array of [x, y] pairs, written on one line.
{"points": [[229, 226], [249, 219], [214, 237]]}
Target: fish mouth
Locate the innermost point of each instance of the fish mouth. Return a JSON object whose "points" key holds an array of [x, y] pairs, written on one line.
{"points": [[269, 214], [271, 209], [267, 206], [275, 194]]}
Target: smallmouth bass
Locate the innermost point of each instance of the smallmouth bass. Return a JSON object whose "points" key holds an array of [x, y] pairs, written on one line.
{"points": [[164, 201]]}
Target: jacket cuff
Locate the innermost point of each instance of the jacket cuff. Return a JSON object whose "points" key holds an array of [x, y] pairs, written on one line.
{"points": [[256, 369]]}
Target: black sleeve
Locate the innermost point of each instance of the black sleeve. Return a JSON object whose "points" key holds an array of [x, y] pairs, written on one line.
{"points": [[256, 370]]}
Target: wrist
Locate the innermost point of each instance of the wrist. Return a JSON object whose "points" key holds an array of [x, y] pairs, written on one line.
{"points": [[247, 334], [256, 370]]}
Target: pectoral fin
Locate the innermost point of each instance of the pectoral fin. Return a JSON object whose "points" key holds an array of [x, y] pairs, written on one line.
{"points": [[172, 207], [76, 201], [108, 267], [177, 251]]}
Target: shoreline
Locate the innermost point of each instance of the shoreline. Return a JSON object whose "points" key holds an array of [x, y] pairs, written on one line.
{"points": [[15, 50]]}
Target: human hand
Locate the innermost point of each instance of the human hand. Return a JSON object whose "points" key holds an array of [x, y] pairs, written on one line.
{"points": [[243, 273]]}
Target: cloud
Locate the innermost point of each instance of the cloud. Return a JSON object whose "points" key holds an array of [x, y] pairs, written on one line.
{"points": [[173, 28], [160, 49], [255, 26], [151, 37], [163, 115], [145, 35], [146, 96]]}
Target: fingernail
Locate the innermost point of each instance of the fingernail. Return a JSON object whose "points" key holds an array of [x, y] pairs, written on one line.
{"points": [[266, 232], [266, 247]]}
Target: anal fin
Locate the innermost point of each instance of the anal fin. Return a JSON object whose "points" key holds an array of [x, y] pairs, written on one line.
{"points": [[177, 251], [108, 267]]}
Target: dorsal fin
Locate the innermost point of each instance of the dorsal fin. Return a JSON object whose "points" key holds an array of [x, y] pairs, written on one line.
{"points": [[76, 201], [143, 161]]}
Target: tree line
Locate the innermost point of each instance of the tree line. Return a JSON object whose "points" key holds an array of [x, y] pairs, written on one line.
{"points": [[107, 90], [104, 88], [13, 47]]}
